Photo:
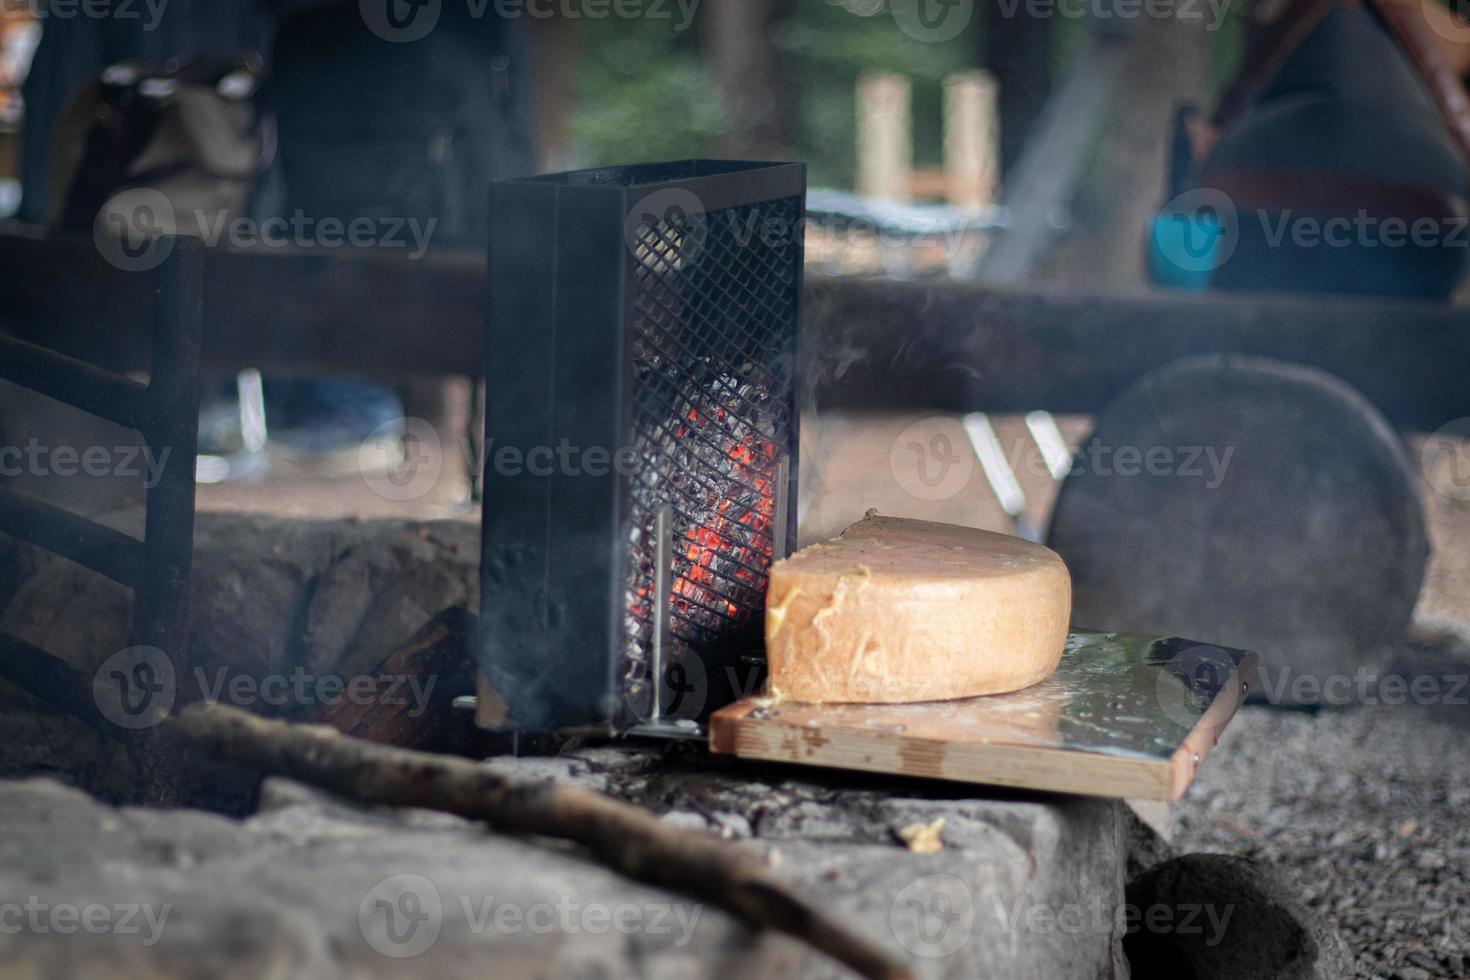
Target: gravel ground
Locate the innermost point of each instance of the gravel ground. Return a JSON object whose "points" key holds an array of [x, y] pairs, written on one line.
{"points": [[1365, 810]]}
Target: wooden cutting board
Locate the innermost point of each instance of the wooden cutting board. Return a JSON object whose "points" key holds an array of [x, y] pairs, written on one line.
{"points": [[1125, 716]]}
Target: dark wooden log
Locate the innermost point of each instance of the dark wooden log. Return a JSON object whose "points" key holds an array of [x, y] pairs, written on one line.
{"points": [[438, 656], [870, 344], [624, 837], [883, 345], [349, 310]]}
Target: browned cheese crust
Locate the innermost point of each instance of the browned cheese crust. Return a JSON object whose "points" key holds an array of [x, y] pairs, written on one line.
{"points": [[898, 610]]}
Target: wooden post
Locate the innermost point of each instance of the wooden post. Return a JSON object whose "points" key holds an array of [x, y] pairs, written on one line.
{"points": [[971, 139], [1019, 50], [741, 52], [885, 143], [556, 50]]}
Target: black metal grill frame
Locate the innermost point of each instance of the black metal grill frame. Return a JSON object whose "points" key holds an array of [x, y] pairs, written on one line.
{"points": [[666, 337], [165, 411]]}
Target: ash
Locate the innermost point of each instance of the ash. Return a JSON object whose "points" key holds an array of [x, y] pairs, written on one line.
{"points": [[1364, 810]]}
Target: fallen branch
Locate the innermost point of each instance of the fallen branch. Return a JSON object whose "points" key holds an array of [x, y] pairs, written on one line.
{"points": [[624, 837]]}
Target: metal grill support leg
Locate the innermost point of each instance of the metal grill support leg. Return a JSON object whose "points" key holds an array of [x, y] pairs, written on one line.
{"points": [[172, 428]]}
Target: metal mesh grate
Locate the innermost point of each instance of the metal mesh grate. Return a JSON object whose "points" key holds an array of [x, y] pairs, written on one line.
{"points": [[714, 309]]}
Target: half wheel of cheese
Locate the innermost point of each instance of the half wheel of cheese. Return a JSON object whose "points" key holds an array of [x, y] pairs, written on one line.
{"points": [[899, 610]]}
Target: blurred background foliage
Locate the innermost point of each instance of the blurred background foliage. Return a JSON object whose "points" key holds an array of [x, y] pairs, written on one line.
{"points": [[645, 93]]}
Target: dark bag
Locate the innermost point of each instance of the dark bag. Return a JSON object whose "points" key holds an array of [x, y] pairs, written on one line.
{"points": [[194, 133], [1344, 114], [412, 130]]}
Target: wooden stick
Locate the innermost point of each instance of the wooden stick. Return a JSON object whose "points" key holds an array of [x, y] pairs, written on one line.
{"points": [[624, 837]]}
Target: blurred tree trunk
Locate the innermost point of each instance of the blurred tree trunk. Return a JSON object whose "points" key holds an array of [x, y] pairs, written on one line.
{"points": [[1168, 63], [741, 54], [1017, 50], [556, 48]]}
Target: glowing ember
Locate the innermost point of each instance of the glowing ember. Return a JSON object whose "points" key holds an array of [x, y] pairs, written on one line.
{"points": [[738, 537], [713, 347], [719, 478]]}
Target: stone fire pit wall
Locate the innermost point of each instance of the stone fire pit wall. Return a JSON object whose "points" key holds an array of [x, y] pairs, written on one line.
{"points": [[269, 596], [1024, 886], [311, 887]]}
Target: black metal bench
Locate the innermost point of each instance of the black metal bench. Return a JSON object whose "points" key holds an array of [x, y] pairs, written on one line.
{"points": [[165, 412]]}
